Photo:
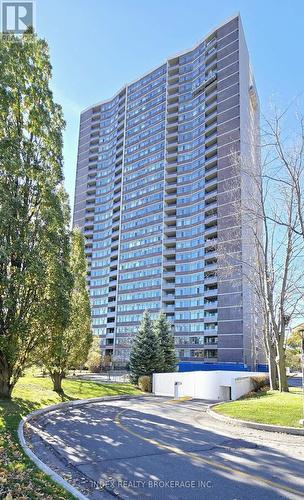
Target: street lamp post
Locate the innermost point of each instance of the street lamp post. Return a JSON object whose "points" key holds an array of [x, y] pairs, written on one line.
{"points": [[302, 359]]}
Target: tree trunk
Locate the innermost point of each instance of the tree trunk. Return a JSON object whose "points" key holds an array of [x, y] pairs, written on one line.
{"points": [[273, 372], [281, 367], [57, 379], [271, 358], [6, 386]]}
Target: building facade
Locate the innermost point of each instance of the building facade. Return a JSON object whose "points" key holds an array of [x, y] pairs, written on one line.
{"points": [[157, 197]]}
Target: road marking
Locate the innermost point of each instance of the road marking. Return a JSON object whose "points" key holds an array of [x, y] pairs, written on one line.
{"points": [[182, 399], [179, 451]]}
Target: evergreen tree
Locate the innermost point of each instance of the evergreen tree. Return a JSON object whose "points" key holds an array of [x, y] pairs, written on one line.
{"points": [[163, 331], [146, 355], [31, 215]]}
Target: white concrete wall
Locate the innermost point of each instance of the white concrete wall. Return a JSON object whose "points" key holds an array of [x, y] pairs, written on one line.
{"points": [[241, 386], [213, 385]]}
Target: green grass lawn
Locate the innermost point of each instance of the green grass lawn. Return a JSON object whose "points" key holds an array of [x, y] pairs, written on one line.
{"points": [[270, 407], [19, 478]]}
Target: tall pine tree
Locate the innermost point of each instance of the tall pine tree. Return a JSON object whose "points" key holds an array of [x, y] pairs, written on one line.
{"points": [[146, 355], [163, 331]]}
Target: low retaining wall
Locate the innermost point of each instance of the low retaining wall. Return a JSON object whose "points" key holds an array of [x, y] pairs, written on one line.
{"points": [[212, 385]]}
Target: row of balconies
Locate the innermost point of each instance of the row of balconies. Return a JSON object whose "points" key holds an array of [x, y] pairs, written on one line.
{"points": [[194, 344]]}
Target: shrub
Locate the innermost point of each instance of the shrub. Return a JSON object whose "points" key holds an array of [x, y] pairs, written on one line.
{"points": [[259, 381], [145, 383]]}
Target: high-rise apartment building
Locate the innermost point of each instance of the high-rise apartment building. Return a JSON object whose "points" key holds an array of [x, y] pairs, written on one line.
{"points": [[157, 195]]}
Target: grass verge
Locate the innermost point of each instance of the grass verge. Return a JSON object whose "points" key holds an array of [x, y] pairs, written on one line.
{"points": [[267, 407], [19, 478]]}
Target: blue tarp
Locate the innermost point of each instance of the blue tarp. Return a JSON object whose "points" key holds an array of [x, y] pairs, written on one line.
{"points": [[188, 366]]}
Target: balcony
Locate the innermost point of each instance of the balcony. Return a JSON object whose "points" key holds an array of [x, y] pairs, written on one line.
{"points": [[210, 317], [211, 266], [172, 98], [169, 251], [211, 126], [211, 108], [210, 341], [210, 331], [210, 305], [210, 150], [170, 200], [210, 184], [211, 172], [211, 161], [169, 241], [171, 168], [210, 227], [170, 209], [172, 146], [211, 64], [172, 127], [173, 79], [210, 119], [210, 139], [114, 235], [95, 134], [211, 255], [211, 242], [171, 157], [210, 293], [199, 87], [171, 178], [116, 206], [211, 49], [170, 230], [169, 274], [172, 108], [171, 188], [173, 88], [211, 195], [168, 297], [210, 43], [211, 220], [210, 280], [173, 64], [169, 309]]}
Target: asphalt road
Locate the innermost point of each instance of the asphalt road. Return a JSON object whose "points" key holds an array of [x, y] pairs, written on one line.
{"points": [[155, 448], [295, 381]]}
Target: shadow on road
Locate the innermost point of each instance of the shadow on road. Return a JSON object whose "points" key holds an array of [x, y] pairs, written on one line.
{"points": [[90, 440]]}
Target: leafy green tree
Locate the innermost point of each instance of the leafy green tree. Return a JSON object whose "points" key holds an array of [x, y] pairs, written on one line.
{"points": [[94, 358], [30, 199], [166, 339], [69, 334], [293, 348], [146, 356]]}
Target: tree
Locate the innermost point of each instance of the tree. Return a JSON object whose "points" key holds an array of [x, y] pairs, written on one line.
{"points": [[69, 334], [274, 253], [293, 348], [146, 356], [284, 140], [30, 201], [94, 359], [166, 339]]}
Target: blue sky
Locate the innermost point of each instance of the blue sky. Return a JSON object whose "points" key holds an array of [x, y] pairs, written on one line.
{"points": [[98, 45]]}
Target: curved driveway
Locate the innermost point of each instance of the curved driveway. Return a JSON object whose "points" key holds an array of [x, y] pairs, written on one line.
{"points": [[151, 447]]}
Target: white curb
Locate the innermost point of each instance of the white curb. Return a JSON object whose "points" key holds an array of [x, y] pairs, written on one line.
{"points": [[41, 465]]}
